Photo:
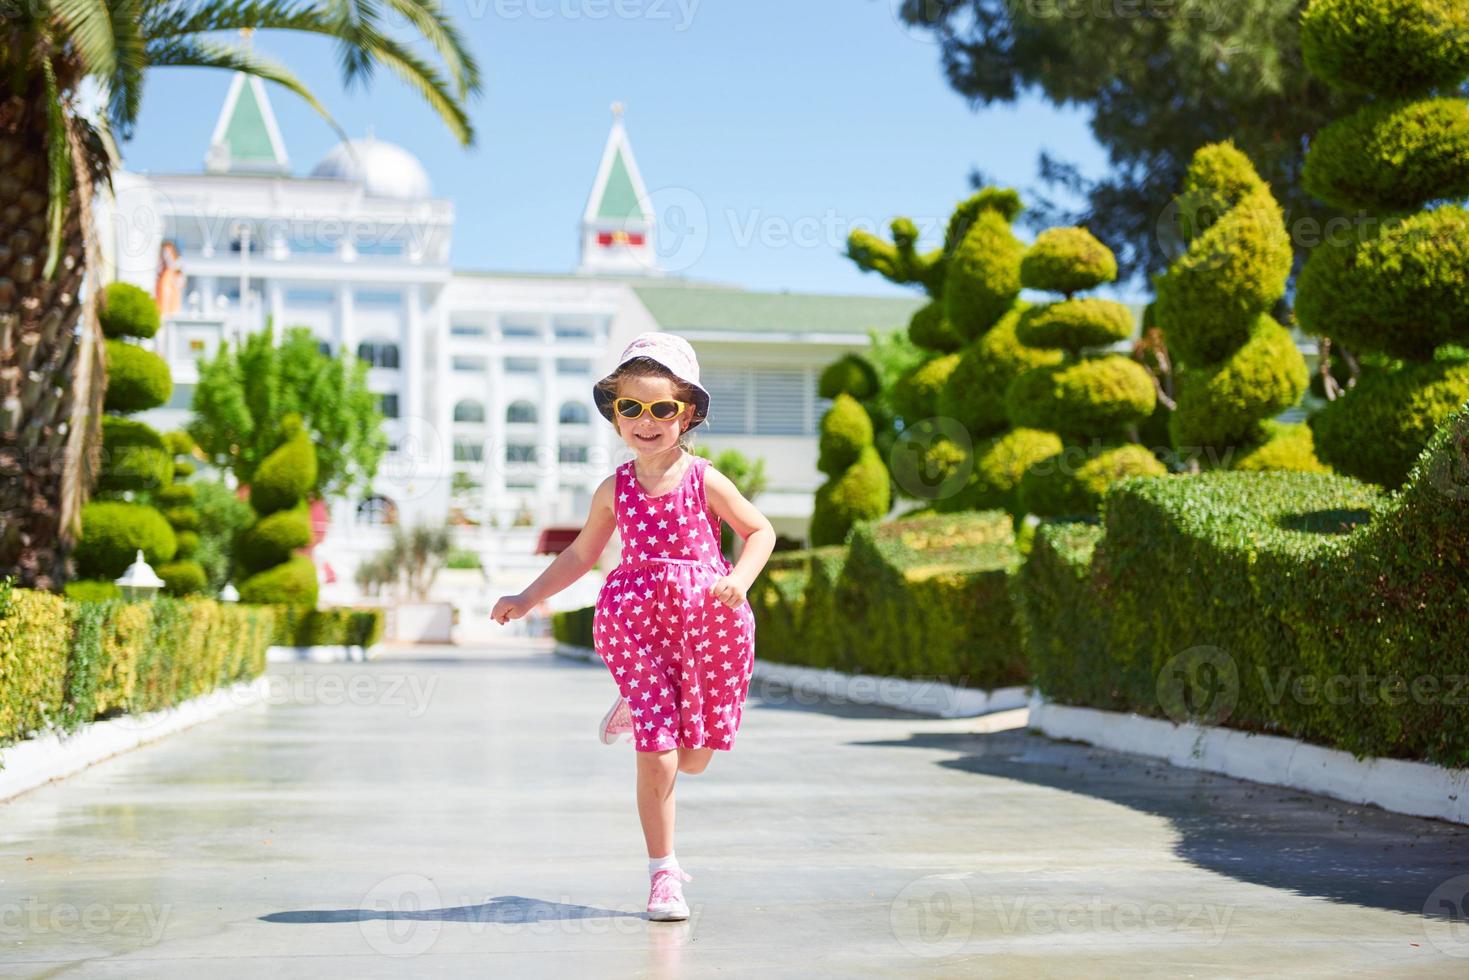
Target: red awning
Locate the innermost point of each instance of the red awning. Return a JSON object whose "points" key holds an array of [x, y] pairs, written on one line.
{"points": [[555, 540]]}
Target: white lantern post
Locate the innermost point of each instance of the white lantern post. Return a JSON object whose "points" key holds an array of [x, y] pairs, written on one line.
{"points": [[139, 581]]}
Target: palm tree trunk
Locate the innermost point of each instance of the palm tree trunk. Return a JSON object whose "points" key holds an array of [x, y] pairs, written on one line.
{"points": [[47, 463]]}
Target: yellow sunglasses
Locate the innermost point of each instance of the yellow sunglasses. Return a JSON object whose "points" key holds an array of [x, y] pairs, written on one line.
{"points": [[662, 409]]}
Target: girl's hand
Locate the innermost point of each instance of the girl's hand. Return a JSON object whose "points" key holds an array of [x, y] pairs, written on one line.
{"points": [[509, 607], [729, 590]]}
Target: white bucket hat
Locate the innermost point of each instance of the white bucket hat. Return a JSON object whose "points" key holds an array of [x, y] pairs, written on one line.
{"points": [[673, 353]]}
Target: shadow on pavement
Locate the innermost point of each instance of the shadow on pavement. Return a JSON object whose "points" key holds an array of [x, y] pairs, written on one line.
{"points": [[1265, 835], [502, 908]]}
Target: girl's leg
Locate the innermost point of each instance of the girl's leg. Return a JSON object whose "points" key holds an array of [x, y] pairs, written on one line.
{"points": [[694, 761], [657, 772]]}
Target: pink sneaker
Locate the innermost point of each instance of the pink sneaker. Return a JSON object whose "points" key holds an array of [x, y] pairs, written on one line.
{"points": [[616, 722], [665, 900]]}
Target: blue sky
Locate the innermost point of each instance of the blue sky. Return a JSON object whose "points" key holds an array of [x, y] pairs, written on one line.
{"points": [[765, 130]]}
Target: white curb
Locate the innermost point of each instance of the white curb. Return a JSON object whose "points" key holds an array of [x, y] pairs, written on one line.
{"points": [[1419, 789], [918, 696], [319, 654], [51, 755]]}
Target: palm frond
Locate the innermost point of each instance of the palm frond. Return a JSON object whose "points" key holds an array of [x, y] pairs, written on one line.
{"points": [[125, 84], [58, 163], [426, 80], [203, 53], [87, 27], [354, 22], [428, 17]]}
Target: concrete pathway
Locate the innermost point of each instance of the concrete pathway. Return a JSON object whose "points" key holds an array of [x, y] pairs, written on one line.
{"points": [[450, 812]]}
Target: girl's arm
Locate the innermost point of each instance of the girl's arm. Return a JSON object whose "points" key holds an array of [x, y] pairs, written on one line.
{"points": [[751, 525], [571, 564]]}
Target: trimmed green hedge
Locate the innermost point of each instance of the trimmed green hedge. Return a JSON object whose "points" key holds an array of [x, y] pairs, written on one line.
{"points": [[1310, 586], [65, 662], [301, 626]]}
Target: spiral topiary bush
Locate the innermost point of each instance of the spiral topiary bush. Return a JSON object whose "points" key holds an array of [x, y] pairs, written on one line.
{"points": [[137, 379], [278, 494], [1238, 366], [133, 457], [1398, 286], [112, 533]]}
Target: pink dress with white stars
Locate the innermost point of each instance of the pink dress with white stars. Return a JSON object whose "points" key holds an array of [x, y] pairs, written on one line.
{"points": [[680, 657]]}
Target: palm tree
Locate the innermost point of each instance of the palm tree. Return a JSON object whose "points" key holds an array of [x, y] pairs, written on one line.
{"points": [[52, 368]]}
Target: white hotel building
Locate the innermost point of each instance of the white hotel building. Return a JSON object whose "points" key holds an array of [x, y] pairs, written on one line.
{"points": [[485, 377]]}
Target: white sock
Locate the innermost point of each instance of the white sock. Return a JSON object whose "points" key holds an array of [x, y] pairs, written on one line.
{"points": [[666, 863]]}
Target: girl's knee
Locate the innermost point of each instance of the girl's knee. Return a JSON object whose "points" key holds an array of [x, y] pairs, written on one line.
{"points": [[694, 761]]}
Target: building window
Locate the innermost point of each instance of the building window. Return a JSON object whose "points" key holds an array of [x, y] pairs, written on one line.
{"points": [[314, 245], [569, 331], [520, 412], [573, 365], [761, 401], [781, 397], [388, 404], [308, 297], [378, 353], [469, 410], [573, 454], [574, 413], [522, 365], [729, 400], [377, 511], [378, 298], [325, 346], [519, 330], [468, 452], [520, 452], [466, 330], [470, 365]]}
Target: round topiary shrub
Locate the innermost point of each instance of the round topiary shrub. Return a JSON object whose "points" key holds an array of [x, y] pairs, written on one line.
{"points": [[845, 430], [182, 518], [915, 394], [285, 476], [1377, 429], [293, 583], [1392, 156], [188, 542], [1075, 324], [1392, 47], [1067, 260], [183, 577], [1286, 446], [982, 276], [176, 495], [127, 311], [137, 379], [1224, 404], [273, 539], [133, 456], [930, 329], [112, 533], [1401, 290], [974, 393], [850, 374], [1097, 395], [861, 492], [998, 466], [1073, 482]]}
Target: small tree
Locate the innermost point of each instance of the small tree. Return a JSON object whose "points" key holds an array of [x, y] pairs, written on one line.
{"points": [[409, 564], [266, 552], [1091, 400]]}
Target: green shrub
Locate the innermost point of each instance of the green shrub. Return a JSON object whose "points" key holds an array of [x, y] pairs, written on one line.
{"points": [[915, 394], [1075, 324], [850, 374], [998, 465], [1096, 395], [1392, 156], [982, 277], [1376, 429], [1074, 482], [91, 590], [1068, 260], [862, 491], [303, 626], [1395, 47], [112, 533], [1284, 447], [930, 329], [137, 379], [462, 559], [127, 311], [974, 391], [182, 577], [188, 543], [574, 626], [35, 638], [292, 582], [175, 495], [133, 457], [1223, 405], [285, 476], [273, 539], [845, 430], [1401, 289]]}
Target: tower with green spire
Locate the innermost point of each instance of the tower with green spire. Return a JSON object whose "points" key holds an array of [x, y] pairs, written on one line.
{"points": [[618, 224]]}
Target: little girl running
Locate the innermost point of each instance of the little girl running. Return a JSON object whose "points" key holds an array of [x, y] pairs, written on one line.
{"points": [[672, 623]]}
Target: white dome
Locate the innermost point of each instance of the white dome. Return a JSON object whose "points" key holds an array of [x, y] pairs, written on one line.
{"points": [[386, 169]]}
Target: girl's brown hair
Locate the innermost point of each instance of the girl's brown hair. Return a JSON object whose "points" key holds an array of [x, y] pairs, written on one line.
{"points": [[642, 367]]}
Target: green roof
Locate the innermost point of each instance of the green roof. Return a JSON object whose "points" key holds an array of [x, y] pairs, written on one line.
{"points": [[619, 198], [246, 133], [736, 310]]}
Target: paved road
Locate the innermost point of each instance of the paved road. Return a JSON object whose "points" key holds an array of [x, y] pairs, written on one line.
{"points": [[449, 812]]}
